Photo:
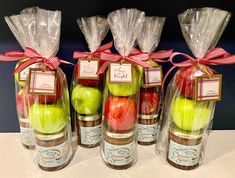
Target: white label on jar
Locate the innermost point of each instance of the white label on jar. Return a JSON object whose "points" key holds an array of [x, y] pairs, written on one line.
{"points": [[90, 135], [184, 155], [119, 155], [147, 133], [27, 136], [53, 156]]}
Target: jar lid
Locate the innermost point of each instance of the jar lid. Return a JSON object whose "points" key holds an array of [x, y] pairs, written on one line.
{"points": [[90, 117], [186, 134], [49, 137]]}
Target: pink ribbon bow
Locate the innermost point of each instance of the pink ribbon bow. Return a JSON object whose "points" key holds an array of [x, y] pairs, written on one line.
{"points": [[103, 48], [33, 57], [138, 58], [216, 56], [158, 56]]}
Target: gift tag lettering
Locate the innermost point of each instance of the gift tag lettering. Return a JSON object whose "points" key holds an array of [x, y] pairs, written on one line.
{"points": [[88, 69], [24, 73], [153, 77], [42, 82], [120, 73], [208, 88]]}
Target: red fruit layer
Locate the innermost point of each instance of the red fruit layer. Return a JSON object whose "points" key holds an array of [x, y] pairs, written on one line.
{"points": [[185, 78], [120, 113], [149, 100]]}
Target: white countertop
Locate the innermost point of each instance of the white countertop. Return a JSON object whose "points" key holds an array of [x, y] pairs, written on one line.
{"points": [[17, 162]]}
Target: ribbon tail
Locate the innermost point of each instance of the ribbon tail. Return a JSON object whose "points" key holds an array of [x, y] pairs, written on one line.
{"points": [[78, 54], [167, 74], [66, 62], [216, 52], [160, 55], [139, 62], [103, 68], [4, 58], [104, 56], [25, 64], [104, 47]]}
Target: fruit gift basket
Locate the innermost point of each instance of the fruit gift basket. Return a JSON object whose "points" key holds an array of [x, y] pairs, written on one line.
{"points": [[191, 95], [87, 85], [121, 91], [44, 91], [150, 91]]}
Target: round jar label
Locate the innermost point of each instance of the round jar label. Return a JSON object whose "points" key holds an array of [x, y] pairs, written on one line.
{"points": [[27, 136], [119, 155], [90, 135], [184, 155], [147, 133], [53, 156]]}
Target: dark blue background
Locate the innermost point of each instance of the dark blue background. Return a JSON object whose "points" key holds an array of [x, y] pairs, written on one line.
{"points": [[72, 39]]}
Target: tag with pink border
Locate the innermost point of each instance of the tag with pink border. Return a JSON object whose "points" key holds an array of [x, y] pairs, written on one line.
{"points": [[153, 76], [42, 81], [208, 88]]}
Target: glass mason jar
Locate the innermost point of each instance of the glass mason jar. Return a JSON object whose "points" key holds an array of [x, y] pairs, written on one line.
{"points": [[148, 118], [89, 128], [54, 151], [119, 150], [184, 148]]}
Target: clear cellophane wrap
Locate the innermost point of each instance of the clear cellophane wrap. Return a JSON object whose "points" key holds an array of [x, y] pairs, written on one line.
{"points": [[86, 91], [121, 99], [150, 96], [48, 115], [186, 122]]}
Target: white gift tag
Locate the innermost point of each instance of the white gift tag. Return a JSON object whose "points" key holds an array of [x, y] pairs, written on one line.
{"points": [[208, 88], [120, 73], [88, 69], [153, 76], [42, 81], [24, 73]]}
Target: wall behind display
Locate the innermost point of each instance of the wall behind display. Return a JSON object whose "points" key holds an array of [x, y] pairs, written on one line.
{"points": [[72, 38]]}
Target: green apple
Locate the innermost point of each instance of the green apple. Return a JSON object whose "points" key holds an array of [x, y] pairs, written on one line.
{"points": [[190, 115], [124, 89], [47, 119], [86, 100]]}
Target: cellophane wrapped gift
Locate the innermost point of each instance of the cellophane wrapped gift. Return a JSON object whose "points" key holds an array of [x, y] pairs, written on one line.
{"points": [[23, 99], [121, 93], [150, 91], [45, 91], [87, 85], [188, 111]]}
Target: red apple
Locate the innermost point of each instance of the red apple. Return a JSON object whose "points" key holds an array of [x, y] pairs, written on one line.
{"points": [[23, 102], [120, 113], [185, 78], [149, 100], [87, 82]]}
